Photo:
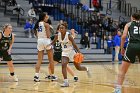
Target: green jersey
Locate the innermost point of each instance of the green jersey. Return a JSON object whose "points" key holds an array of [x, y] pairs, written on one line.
{"points": [[134, 32], [5, 41]]}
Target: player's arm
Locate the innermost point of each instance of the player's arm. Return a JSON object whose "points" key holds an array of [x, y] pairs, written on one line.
{"points": [[47, 28], [55, 39], [73, 43], [0, 35], [11, 44], [124, 35]]}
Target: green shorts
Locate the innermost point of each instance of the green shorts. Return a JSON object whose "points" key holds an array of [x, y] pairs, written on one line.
{"points": [[132, 50], [57, 56], [5, 56]]}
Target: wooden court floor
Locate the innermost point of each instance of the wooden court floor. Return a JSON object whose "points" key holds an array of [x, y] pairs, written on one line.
{"points": [[102, 80]]}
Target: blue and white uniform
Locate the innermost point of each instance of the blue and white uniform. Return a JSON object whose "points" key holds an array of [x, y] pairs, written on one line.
{"points": [[42, 41], [67, 47]]}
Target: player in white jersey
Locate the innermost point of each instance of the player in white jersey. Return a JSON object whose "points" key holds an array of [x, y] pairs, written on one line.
{"points": [[68, 51], [43, 35]]}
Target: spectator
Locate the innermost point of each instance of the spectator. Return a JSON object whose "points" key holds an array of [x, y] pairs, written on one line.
{"points": [[85, 41], [109, 45], [93, 39], [29, 26], [32, 14], [12, 2], [18, 10], [117, 42]]}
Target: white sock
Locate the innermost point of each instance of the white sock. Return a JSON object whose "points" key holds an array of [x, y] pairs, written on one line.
{"points": [[118, 86], [87, 69], [37, 74], [65, 80], [75, 76]]}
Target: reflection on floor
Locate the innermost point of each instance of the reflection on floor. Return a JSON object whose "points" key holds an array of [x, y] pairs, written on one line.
{"points": [[103, 78]]}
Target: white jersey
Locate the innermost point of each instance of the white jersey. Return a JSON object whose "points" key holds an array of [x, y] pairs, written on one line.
{"points": [[41, 30], [66, 43]]}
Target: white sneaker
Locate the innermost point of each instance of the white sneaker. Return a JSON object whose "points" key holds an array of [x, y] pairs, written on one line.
{"points": [[117, 90], [88, 72], [65, 84], [14, 78]]}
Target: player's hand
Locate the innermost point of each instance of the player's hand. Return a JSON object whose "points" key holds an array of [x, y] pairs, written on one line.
{"points": [[122, 51], [9, 51]]}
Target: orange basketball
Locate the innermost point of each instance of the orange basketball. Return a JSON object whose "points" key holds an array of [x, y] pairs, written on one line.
{"points": [[78, 58]]}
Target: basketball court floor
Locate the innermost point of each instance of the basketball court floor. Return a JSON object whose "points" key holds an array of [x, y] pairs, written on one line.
{"points": [[102, 80]]}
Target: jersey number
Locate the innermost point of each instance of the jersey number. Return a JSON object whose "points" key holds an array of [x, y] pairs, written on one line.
{"points": [[136, 30], [40, 29]]}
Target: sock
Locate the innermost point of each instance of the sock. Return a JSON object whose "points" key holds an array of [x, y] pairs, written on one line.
{"points": [[65, 80], [52, 75], [12, 74], [37, 74], [118, 86], [87, 68], [75, 76]]}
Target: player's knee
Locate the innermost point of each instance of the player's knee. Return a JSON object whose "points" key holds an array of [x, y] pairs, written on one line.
{"points": [[64, 65]]}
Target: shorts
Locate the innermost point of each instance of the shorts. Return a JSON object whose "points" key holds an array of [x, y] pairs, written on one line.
{"points": [[5, 56], [70, 54], [57, 56], [132, 50], [42, 44]]}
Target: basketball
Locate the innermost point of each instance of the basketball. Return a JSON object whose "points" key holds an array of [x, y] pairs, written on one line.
{"points": [[78, 58]]}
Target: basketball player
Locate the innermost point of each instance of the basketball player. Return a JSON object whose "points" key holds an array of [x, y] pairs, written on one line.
{"points": [[57, 57], [43, 35], [68, 52], [132, 29], [6, 43]]}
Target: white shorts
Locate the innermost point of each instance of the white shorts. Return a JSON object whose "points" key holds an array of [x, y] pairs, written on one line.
{"points": [[69, 53], [42, 44]]}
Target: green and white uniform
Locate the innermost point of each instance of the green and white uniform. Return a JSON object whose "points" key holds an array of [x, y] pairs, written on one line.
{"points": [[4, 46], [133, 47]]}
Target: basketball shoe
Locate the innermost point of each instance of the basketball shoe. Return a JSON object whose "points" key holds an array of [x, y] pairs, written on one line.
{"points": [[117, 90], [14, 77], [65, 84], [75, 78], [36, 79], [88, 72]]}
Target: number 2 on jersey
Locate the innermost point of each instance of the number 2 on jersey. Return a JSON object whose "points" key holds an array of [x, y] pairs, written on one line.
{"points": [[136, 30]]}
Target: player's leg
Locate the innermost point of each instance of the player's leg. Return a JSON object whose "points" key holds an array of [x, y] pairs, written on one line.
{"points": [[7, 57], [65, 61], [11, 69], [79, 67], [51, 62], [38, 64], [69, 69], [49, 69], [123, 69], [129, 57]]}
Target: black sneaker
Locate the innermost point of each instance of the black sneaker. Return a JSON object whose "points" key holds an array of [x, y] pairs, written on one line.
{"points": [[75, 78], [36, 79], [53, 78], [48, 77]]}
